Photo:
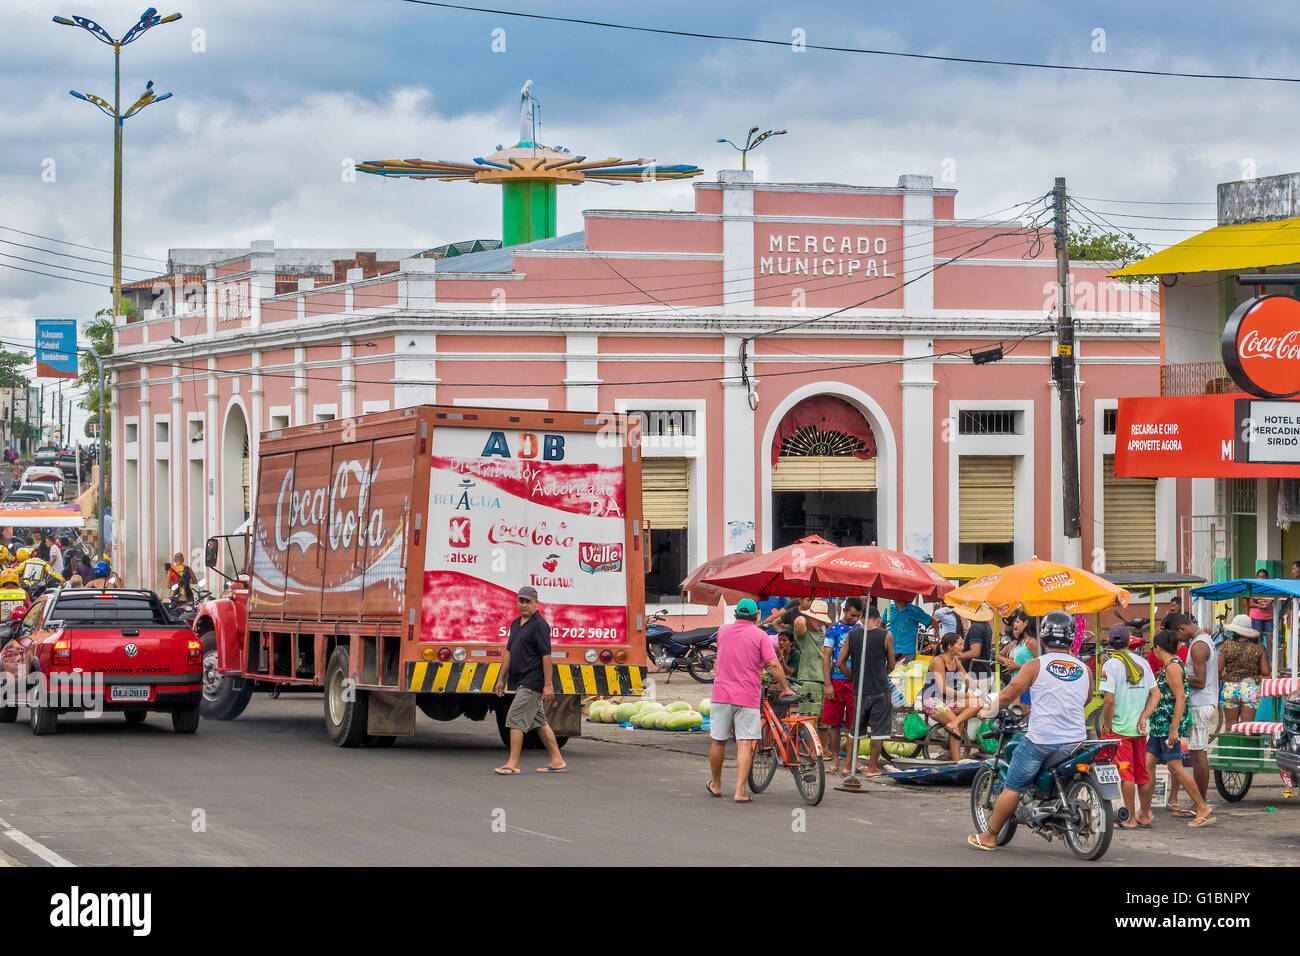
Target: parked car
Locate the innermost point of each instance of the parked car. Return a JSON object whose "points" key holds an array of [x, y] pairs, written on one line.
{"points": [[27, 495], [47, 455], [48, 487], [68, 464], [43, 473], [119, 649]]}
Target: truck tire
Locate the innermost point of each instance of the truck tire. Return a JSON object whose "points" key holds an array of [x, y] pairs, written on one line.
{"points": [[44, 720], [224, 696], [134, 717], [185, 720], [345, 720], [531, 740]]}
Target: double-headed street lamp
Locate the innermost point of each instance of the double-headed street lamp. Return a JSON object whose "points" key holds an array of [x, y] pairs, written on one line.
{"points": [[751, 142], [148, 20]]}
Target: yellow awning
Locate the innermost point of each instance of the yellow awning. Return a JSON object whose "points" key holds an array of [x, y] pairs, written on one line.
{"points": [[1251, 245], [964, 572]]}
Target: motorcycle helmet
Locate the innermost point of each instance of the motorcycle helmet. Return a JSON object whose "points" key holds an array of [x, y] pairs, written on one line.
{"points": [[22, 555], [1057, 630], [9, 578], [102, 569]]}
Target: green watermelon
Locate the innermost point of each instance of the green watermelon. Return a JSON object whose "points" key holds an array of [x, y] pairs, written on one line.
{"points": [[624, 712], [661, 720], [679, 705], [704, 706]]}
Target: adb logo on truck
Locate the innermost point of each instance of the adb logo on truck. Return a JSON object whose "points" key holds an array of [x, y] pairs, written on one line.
{"points": [[551, 447]]}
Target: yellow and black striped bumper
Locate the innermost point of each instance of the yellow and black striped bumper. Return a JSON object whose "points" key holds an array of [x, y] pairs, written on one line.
{"points": [[471, 677]]}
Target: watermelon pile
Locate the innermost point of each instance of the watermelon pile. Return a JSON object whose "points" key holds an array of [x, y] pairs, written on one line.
{"points": [[648, 714]]}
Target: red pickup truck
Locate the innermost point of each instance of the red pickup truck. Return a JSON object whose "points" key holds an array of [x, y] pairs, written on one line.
{"points": [[100, 650]]}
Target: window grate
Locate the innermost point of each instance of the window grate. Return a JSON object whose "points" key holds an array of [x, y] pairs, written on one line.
{"points": [[809, 442], [665, 423], [1110, 421], [990, 422]]}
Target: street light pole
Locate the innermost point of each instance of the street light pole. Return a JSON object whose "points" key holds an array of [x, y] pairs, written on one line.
{"points": [[750, 143], [147, 20], [103, 459]]}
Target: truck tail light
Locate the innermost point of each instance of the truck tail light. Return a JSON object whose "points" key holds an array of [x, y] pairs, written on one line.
{"points": [[459, 655], [444, 653], [606, 656], [590, 656], [62, 652], [620, 657], [194, 652]]}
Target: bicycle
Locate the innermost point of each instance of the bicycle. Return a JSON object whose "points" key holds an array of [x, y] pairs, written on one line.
{"points": [[791, 741]]}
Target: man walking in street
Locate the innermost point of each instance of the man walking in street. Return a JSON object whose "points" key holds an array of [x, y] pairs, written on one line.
{"points": [[744, 650], [872, 654], [1126, 683], [838, 702], [1203, 676], [527, 662]]}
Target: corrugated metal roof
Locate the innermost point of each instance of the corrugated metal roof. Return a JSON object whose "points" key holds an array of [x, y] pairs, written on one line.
{"points": [[499, 260]]}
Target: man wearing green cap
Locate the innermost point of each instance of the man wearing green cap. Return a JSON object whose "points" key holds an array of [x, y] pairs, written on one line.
{"points": [[744, 649]]}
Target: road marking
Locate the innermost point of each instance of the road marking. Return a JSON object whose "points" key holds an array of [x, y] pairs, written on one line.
{"points": [[544, 836], [27, 843]]}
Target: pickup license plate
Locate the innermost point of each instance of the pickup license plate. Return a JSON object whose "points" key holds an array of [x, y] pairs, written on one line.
{"points": [[1106, 773], [129, 692]]}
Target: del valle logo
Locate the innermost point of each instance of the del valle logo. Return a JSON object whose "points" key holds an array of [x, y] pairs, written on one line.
{"points": [[593, 557], [1261, 346]]}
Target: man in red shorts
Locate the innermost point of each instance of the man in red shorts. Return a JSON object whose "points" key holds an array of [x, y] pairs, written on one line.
{"points": [[1126, 683], [837, 707]]}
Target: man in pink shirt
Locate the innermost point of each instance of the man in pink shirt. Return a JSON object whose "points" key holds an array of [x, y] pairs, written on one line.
{"points": [[744, 650]]}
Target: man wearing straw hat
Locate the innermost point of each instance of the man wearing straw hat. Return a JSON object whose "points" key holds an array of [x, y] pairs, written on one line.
{"points": [[810, 634]]}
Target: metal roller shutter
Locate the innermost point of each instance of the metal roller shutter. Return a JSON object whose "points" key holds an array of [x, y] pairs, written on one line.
{"points": [[986, 499], [665, 492], [812, 473], [1129, 517]]}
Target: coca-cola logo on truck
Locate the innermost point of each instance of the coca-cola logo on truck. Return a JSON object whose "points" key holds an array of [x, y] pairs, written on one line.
{"points": [[1261, 346], [344, 506]]}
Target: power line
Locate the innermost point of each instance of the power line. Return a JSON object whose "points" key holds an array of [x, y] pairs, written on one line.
{"points": [[64, 242], [1145, 202], [981, 61], [67, 255], [98, 285]]}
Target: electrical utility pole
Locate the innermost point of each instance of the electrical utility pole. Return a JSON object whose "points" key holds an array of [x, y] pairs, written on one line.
{"points": [[1064, 368]]}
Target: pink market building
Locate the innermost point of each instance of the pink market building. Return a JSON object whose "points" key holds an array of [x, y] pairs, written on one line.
{"points": [[800, 353]]}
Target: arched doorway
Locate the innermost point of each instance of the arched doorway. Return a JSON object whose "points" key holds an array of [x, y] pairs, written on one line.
{"points": [[236, 470], [823, 478]]}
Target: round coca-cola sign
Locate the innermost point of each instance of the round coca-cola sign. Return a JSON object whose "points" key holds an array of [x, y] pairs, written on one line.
{"points": [[1261, 346]]}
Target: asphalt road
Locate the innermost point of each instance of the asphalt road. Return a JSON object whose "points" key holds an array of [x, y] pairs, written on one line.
{"points": [[270, 789]]}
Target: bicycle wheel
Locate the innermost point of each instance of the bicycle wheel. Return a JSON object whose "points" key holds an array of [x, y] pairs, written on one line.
{"points": [[763, 769], [1232, 784], [935, 745], [810, 772]]}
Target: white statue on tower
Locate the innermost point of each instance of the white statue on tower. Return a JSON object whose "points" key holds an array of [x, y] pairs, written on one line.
{"points": [[529, 109]]}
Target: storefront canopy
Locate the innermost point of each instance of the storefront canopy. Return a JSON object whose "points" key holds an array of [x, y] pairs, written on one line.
{"points": [[40, 514], [1250, 245]]}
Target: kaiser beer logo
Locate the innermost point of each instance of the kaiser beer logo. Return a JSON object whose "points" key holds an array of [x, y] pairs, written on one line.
{"points": [[1261, 346], [458, 533], [593, 557]]}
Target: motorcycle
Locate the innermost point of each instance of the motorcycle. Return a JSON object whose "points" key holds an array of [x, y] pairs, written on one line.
{"points": [[694, 651], [187, 611], [1070, 798]]}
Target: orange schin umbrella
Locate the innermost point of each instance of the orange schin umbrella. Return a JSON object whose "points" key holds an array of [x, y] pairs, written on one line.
{"points": [[1039, 587]]}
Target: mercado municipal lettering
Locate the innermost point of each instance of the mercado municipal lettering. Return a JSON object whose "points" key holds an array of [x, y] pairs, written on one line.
{"points": [[825, 265]]}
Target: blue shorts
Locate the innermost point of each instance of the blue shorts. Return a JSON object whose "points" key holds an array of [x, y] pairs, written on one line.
{"points": [[1157, 745], [1026, 762]]}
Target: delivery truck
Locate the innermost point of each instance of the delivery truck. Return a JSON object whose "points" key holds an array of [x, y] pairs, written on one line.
{"points": [[384, 554]]}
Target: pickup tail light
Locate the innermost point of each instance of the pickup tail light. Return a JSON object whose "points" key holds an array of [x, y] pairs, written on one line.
{"points": [[62, 652], [194, 653]]}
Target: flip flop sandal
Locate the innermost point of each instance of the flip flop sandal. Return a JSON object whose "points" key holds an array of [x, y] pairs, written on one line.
{"points": [[745, 800], [1144, 826], [1185, 814], [1203, 823], [974, 841], [550, 769], [505, 771], [708, 785]]}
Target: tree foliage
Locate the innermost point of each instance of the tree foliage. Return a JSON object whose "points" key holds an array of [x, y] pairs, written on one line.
{"points": [[99, 336], [1087, 243]]}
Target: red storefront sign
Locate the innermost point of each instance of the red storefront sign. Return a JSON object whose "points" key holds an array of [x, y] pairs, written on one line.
{"points": [[1207, 436]]}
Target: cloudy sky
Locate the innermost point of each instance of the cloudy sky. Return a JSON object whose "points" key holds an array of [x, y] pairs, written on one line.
{"points": [[275, 100]]}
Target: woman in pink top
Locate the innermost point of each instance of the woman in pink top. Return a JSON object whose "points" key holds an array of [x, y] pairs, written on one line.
{"points": [[1261, 610]]}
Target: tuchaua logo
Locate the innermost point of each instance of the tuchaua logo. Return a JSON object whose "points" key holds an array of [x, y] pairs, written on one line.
{"points": [[76, 909], [1065, 670]]}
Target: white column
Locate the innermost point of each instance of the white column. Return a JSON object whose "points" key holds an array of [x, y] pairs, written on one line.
{"points": [[144, 516], [916, 477], [737, 239], [212, 441], [738, 461], [918, 250], [118, 439], [262, 282], [210, 298], [1057, 538], [299, 387], [178, 438], [581, 384], [347, 383], [255, 425], [1268, 536], [415, 369]]}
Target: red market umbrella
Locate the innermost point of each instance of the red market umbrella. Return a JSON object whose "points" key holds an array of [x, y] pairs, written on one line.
{"points": [[766, 574], [882, 572], [700, 593]]}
